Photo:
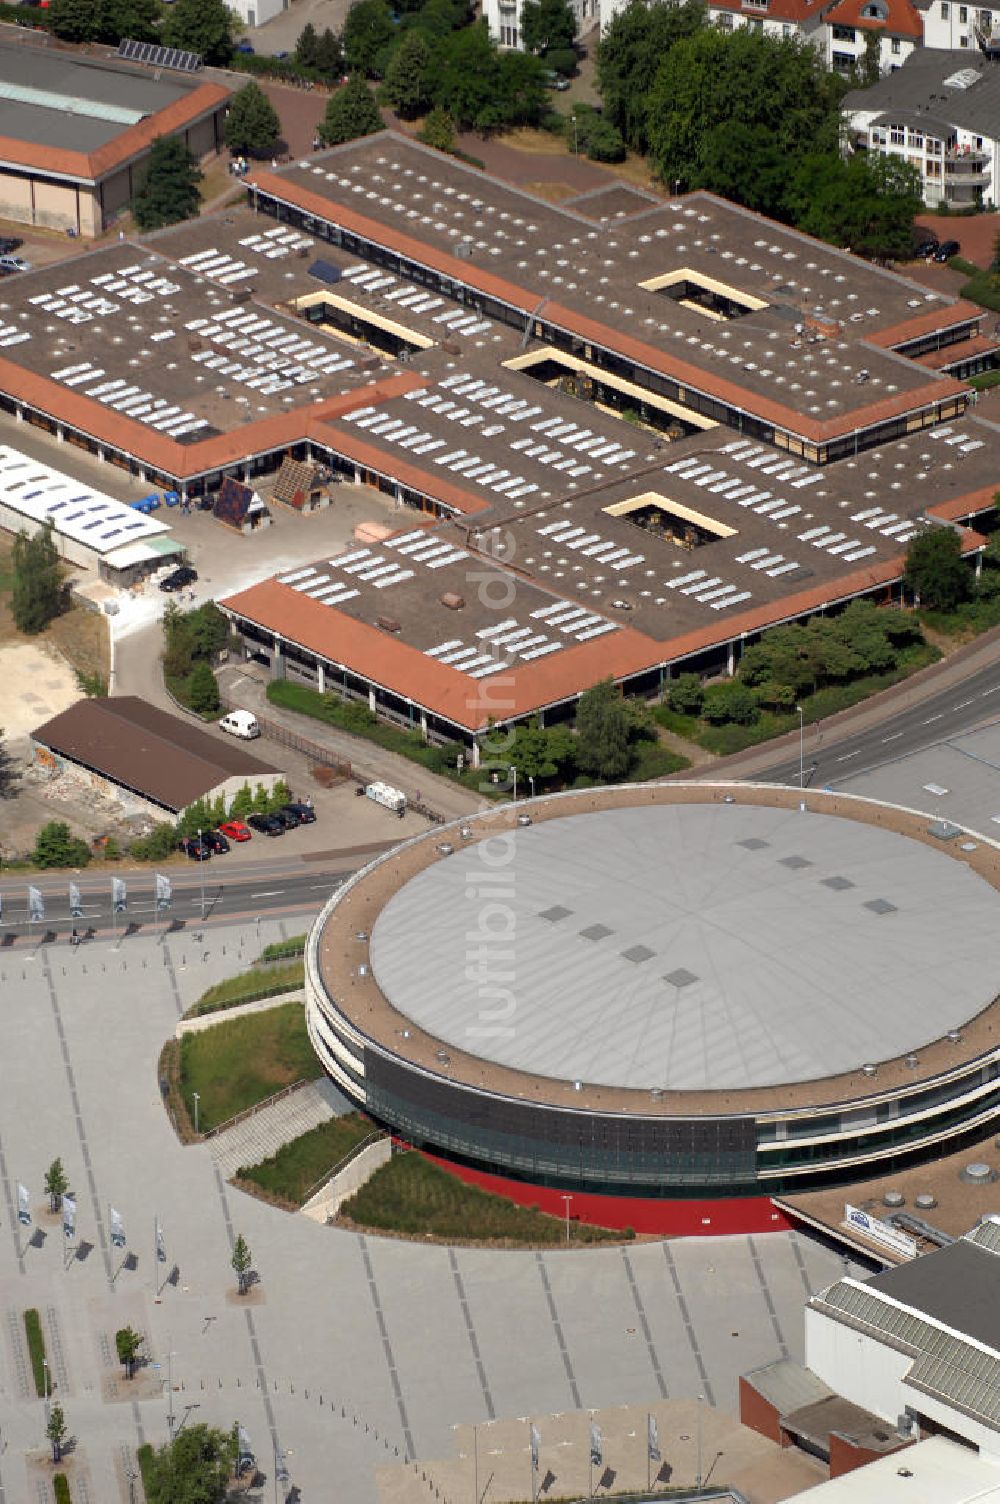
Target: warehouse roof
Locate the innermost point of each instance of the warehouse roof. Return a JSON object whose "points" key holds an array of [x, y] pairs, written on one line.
{"points": [[956, 1286], [934, 1471], [156, 755], [80, 117]]}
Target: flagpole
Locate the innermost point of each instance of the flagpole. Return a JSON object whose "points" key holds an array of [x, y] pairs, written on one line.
{"points": [[649, 1459]]}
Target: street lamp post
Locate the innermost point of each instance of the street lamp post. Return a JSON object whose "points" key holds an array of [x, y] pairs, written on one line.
{"points": [[513, 771], [532, 783], [197, 1098], [280, 1470], [802, 779], [566, 1202], [701, 1400], [201, 875], [46, 1386], [170, 1395]]}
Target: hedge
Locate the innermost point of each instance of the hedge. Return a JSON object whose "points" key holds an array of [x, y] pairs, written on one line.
{"points": [[144, 1457], [60, 1487]]}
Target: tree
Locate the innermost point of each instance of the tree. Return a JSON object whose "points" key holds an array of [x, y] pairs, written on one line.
{"points": [[202, 26], [37, 595], [730, 702], [935, 570], [351, 112], [305, 47], [160, 843], [281, 794], [521, 95], [467, 78], [546, 24], [866, 203], [869, 70], [407, 78], [242, 1262], [252, 124], [686, 695], [438, 130], [55, 846], [367, 37], [242, 804], [632, 48], [603, 732], [540, 754], [596, 137], [742, 163], [128, 1344], [711, 78], [194, 1468], [202, 689], [169, 191], [56, 1184], [329, 62], [8, 773], [137, 19], [55, 1430], [74, 20]]}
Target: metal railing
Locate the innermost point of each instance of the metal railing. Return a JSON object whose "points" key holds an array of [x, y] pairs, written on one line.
{"points": [[276, 732], [251, 1112], [375, 1137]]}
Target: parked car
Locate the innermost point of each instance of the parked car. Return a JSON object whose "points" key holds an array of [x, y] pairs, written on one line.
{"points": [[177, 578], [9, 244], [215, 841], [235, 830], [280, 57], [268, 825], [14, 264], [245, 47], [288, 820], [197, 850], [946, 250], [304, 814], [925, 247]]}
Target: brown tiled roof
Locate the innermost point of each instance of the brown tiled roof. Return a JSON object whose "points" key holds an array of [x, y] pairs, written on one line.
{"points": [[590, 329], [131, 143], [937, 320], [904, 18], [157, 755], [979, 344]]}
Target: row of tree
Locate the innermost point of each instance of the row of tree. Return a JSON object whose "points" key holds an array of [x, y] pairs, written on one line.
{"points": [[754, 118], [206, 27]]}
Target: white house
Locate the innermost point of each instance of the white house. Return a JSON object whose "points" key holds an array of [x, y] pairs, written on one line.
{"points": [[941, 112], [503, 17]]}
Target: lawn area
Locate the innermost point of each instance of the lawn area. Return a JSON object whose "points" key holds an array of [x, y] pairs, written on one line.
{"points": [[247, 986], [240, 1061], [296, 1170], [411, 1196]]}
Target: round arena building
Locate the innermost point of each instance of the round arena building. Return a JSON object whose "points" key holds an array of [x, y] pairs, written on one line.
{"points": [[658, 992]]}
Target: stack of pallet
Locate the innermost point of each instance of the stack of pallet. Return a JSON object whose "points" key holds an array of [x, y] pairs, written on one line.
{"points": [[299, 485]]}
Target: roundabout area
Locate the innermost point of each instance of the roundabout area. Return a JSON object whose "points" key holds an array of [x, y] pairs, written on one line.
{"points": [[669, 991]]}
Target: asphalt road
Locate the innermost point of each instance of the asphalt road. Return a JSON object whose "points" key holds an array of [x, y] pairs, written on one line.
{"points": [[956, 708], [201, 896]]}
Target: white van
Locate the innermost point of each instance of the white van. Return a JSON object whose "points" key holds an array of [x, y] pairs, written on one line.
{"points": [[240, 723]]}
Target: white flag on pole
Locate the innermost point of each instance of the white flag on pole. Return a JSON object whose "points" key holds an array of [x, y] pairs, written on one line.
{"points": [[36, 904], [596, 1446], [69, 1216], [164, 891], [652, 1439], [75, 901], [117, 1229], [161, 1247], [119, 895], [23, 1205], [536, 1442]]}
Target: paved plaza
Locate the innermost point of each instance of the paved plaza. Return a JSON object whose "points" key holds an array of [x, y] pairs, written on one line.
{"points": [[353, 1351]]}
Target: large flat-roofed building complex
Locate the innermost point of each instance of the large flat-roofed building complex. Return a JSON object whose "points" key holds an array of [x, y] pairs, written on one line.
{"points": [[664, 426], [667, 991], [75, 133]]}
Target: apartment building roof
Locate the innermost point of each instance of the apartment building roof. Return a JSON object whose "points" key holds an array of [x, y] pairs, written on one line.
{"points": [[899, 18], [959, 87]]}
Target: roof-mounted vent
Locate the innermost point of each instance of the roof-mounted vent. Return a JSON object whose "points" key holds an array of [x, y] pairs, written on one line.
{"points": [[977, 1173], [453, 600], [894, 1199], [388, 624], [869, 1070], [924, 1201]]}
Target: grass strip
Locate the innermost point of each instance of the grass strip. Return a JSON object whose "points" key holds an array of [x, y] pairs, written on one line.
{"points": [[36, 1349], [280, 950], [248, 987], [291, 1175], [413, 1197]]}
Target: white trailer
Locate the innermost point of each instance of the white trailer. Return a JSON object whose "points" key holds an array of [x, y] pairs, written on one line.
{"points": [[387, 796]]}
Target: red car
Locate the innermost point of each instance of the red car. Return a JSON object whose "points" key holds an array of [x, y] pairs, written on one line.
{"points": [[235, 830]]}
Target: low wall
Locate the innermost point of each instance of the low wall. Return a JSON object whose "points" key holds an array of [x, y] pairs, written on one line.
{"points": [[328, 1200]]}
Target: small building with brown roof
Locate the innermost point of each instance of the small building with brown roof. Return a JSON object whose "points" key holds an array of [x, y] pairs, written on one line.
{"points": [[155, 760], [75, 133]]}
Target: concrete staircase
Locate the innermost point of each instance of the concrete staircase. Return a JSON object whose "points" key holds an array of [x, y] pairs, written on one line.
{"points": [[263, 1134]]}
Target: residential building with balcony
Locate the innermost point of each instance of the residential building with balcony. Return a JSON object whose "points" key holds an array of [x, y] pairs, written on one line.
{"points": [[503, 17], [848, 24], [940, 112]]}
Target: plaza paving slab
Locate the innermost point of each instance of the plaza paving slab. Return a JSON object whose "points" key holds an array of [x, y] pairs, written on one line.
{"points": [[353, 1352]]}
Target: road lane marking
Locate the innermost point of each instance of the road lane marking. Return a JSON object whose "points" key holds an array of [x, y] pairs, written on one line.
{"points": [[894, 737], [963, 705], [932, 718], [271, 893], [985, 692], [848, 755]]}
